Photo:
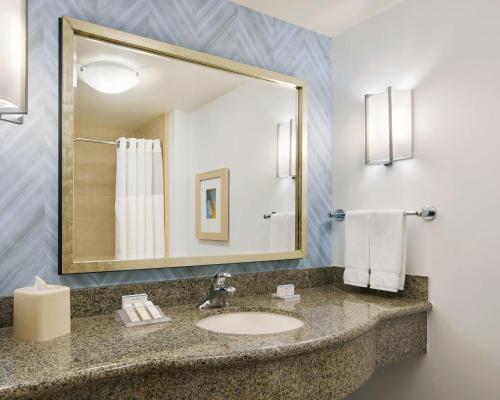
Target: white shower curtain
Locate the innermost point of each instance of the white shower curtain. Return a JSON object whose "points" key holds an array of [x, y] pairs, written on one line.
{"points": [[139, 203]]}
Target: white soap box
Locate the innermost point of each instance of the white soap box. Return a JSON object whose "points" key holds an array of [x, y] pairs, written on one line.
{"points": [[286, 292]]}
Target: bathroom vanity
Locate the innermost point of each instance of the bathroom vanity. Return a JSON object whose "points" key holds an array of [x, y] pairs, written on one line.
{"points": [[344, 337]]}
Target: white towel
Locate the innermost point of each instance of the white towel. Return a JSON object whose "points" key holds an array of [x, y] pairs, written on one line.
{"points": [[282, 232], [388, 250], [357, 248]]}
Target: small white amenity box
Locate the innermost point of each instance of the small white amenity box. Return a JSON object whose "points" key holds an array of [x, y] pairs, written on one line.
{"points": [[41, 312], [286, 292]]}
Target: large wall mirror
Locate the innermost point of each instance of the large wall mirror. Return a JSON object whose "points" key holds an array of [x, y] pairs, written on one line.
{"points": [[171, 157]]}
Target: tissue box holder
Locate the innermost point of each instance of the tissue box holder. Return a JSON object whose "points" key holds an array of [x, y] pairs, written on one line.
{"points": [[41, 315]]}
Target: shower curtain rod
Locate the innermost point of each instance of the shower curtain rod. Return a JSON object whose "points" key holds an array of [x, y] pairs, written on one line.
{"points": [[78, 139]]}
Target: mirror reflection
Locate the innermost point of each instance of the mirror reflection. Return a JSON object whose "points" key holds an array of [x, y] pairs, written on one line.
{"points": [[176, 159]]}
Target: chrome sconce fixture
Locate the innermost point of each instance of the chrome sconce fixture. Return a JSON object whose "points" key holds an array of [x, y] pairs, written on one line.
{"points": [[14, 60], [388, 127], [287, 150]]}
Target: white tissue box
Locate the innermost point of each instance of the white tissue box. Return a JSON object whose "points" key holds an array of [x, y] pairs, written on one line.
{"points": [[41, 313]]}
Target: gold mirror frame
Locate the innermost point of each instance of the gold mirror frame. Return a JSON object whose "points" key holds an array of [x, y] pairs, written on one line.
{"points": [[69, 27]]}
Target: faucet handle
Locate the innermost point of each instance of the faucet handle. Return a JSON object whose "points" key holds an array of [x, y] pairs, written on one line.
{"points": [[220, 279], [230, 290]]}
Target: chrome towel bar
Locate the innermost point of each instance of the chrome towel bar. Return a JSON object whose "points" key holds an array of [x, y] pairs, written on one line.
{"points": [[428, 213]]}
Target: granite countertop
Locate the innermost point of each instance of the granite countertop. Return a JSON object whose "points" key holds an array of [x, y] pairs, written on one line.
{"points": [[100, 347]]}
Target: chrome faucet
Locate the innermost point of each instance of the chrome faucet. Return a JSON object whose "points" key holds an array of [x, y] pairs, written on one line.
{"points": [[218, 292]]}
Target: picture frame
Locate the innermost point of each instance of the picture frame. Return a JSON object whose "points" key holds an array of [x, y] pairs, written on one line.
{"points": [[212, 205]]}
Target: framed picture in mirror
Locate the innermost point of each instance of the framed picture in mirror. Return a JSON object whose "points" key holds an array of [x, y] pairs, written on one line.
{"points": [[212, 205]]}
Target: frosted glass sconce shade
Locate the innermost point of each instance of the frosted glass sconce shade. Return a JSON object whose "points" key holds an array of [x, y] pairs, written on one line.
{"points": [[13, 60], [287, 149], [388, 126]]}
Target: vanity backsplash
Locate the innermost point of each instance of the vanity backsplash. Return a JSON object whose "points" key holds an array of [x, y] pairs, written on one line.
{"points": [[106, 300]]}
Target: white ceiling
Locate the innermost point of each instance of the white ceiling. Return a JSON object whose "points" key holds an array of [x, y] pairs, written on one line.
{"points": [[329, 17], [165, 84]]}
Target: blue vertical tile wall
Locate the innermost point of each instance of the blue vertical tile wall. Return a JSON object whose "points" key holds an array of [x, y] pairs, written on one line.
{"points": [[28, 153]]}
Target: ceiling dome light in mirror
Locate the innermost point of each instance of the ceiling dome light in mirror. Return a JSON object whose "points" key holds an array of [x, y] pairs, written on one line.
{"points": [[108, 76]]}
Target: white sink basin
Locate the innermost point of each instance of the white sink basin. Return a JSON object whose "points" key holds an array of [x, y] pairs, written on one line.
{"points": [[250, 323]]}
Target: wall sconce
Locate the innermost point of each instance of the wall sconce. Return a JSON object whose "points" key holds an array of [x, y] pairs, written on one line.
{"points": [[13, 64], [388, 127], [287, 150]]}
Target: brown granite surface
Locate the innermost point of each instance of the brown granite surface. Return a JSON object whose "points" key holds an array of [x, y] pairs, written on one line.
{"points": [[345, 336], [416, 286], [105, 300], [328, 373], [98, 301], [6, 311]]}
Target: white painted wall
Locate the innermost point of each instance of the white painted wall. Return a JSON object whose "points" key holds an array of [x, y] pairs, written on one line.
{"points": [[180, 182], [237, 131], [448, 51]]}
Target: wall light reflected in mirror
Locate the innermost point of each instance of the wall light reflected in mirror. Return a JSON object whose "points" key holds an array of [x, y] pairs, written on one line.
{"points": [[287, 146], [388, 127]]}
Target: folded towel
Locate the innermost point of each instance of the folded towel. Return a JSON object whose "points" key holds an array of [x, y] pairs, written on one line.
{"points": [[357, 248], [282, 232], [388, 250]]}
